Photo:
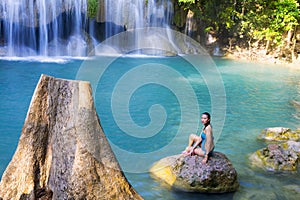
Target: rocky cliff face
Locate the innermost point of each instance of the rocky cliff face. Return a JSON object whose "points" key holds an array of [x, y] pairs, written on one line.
{"points": [[63, 152]]}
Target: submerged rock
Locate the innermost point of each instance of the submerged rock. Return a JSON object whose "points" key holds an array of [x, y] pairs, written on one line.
{"points": [[278, 157], [63, 152], [187, 173], [279, 134], [295, 189], [295, 103]]}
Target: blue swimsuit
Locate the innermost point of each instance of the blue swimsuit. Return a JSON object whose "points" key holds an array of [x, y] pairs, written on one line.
{"points": [[203, 137]]}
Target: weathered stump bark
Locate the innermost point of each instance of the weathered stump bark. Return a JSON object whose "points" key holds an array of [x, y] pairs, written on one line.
{"points": [[63, 152]]}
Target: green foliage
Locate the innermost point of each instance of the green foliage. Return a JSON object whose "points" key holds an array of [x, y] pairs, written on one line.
{"points": [[177, 19], [269, 20], [263, 20], [286, 14], [217, 15], [187, 1], [92, 8]]}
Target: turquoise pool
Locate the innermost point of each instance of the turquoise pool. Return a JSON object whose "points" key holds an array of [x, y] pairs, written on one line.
{"points": [[256, 96]]}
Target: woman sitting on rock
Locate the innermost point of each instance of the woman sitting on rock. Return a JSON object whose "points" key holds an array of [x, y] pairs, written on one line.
{"points": [[202, 145]]}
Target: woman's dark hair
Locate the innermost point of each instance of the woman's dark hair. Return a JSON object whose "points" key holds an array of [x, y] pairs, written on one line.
{"points": [[208, 116]]}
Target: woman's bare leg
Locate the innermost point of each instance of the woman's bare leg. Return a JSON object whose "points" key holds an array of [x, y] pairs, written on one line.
{"points": [[193, 138], [200, 152]]}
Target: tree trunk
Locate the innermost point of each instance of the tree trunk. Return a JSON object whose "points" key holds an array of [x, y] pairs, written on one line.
{"points": [[294, 40], [63, 152], [267, 47], [249, 50], [289, 38]]}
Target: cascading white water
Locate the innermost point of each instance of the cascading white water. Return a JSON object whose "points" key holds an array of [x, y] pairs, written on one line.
{"points": [[43, 27], [189, 24], [59, 27], [130, 15]]}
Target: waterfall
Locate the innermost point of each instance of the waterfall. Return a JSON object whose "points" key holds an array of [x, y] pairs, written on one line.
{"points": [[43, 27], [189, 24], [61, 27], [131, 15]]}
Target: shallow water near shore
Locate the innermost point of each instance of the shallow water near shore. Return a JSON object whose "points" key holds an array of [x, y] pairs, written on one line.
{"points": [[257, 96]]}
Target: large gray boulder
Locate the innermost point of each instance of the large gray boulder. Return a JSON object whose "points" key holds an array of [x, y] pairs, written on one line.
{"points": [[277, 157], [187, 173], [63, 152]]}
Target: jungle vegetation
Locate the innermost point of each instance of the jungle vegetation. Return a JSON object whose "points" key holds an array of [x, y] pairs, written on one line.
{"points": [[269, 24]]}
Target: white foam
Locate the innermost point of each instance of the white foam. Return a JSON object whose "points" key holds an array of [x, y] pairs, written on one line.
{"points": [[43, 59]]}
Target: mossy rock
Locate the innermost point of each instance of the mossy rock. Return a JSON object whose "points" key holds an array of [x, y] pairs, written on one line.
{"points": [[279, 134], [277, 157]]}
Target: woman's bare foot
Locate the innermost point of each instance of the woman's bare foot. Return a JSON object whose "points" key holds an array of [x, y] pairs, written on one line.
{"points": [[204, 160], [188, 151]]}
